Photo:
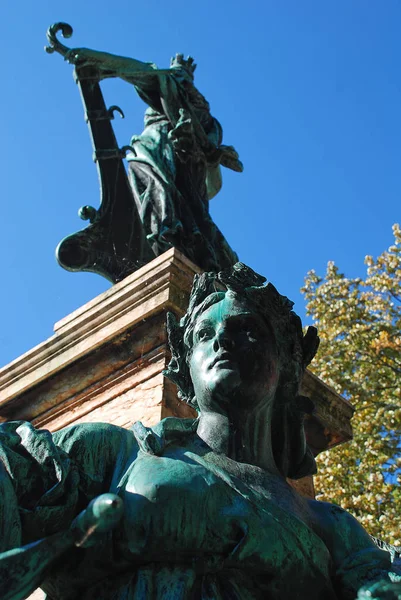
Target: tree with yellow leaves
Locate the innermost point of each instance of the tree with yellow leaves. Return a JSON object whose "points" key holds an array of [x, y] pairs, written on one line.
{"points": [[359, 323]]}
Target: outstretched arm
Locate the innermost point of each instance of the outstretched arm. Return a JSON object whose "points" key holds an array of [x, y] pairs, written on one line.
{"points": [[45, 481], [23, 569], [111, 65]]}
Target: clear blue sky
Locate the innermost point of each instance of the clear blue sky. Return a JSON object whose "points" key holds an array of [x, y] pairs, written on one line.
{"points": [[309, 92]]}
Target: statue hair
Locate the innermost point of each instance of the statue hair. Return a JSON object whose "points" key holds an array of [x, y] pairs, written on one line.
{"points": [[295, 351]]}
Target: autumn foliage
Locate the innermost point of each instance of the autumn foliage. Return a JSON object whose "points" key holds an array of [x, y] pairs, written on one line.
{"points": [[359, 322]]}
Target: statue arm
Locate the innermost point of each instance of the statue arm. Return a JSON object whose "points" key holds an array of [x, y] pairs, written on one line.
{"points": [[100, 451], [111, 65], [45, 481]]}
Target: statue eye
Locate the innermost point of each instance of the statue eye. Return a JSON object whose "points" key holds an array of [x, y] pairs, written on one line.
{"points": [[204, 333], [247, 328], [252, 333]]}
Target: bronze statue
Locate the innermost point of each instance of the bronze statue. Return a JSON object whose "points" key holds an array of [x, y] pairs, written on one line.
{"points": [[208, 512], [173, 166]]}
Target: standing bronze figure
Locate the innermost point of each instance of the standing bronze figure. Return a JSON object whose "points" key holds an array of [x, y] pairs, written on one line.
{"points": [[174, 167]]}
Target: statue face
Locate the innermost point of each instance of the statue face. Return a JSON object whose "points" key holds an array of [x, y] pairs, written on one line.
{"points": [[234, 357]]}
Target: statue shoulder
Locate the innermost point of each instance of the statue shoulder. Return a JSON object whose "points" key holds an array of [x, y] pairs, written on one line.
{"points": [[100, 450], [93, 434]]}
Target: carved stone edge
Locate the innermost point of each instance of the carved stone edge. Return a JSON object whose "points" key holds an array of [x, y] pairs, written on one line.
{"points": [[330, 423], [134, 299]]}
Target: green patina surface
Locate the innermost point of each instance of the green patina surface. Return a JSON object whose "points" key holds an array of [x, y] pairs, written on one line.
{"points": [[174, 168], [194, 508]]}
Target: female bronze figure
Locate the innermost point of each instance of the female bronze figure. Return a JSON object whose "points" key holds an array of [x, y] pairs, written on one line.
{"points": [[208, 512], [174, 164]]}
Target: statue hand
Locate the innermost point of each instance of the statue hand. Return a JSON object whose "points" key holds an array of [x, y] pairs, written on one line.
{"points": [[383, 590], [230, 158], [182, 136], [100, 517], [226, 156]]}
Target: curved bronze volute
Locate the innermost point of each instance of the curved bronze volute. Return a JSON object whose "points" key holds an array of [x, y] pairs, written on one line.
{"points": [[55, 44]]}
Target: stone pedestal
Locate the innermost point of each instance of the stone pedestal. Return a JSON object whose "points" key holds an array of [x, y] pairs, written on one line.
{"points": [[105, 362]]}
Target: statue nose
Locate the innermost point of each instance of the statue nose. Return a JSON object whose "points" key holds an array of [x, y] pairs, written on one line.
{"points": [[223, 339]]}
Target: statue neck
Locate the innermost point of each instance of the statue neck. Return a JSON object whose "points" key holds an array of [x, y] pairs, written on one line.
{"points": [[240, 435]]}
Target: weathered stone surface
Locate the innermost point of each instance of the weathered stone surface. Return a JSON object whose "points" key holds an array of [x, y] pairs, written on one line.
{"points": [[100, 351], [330, 425]]}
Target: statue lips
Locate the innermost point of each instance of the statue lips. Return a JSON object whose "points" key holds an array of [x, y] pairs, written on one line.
{"points": [[223, 360]]}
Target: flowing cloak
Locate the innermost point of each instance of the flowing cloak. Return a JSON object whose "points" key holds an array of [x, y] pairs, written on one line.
{"points": [[190, 528], [172, 195]]}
